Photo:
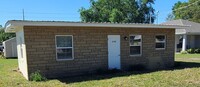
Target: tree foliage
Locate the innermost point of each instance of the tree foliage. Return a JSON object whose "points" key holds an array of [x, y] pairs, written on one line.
{"points": [[187, 10], [5, 36], [170, 17], [124, 11]]}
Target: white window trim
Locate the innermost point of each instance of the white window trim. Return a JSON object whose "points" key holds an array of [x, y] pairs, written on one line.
{"points": [[161, 42], [137, 45], [64, 47]]}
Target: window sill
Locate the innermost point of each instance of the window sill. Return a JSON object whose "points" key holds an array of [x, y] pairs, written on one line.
{"points": [[160, 48], [139, 55], [64, 59]]}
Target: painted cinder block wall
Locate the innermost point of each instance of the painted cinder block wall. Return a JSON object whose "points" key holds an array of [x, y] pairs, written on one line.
{"points": [[91, 49], [21, 53]]}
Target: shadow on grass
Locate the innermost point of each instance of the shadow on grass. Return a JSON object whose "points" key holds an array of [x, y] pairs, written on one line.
{"points": [[183, 65], [178, 65], [11, 58], [8, 57]]}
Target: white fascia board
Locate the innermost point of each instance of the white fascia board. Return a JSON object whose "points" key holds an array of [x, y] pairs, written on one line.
{"points": [[180, 33]]}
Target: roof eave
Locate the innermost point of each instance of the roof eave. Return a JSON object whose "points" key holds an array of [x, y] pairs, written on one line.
{"points": [[10, 29], [11, 26], [193, 33]]}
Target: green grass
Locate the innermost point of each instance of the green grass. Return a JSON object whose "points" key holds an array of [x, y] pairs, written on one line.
{"points": [[187, 55], [185, 74]]}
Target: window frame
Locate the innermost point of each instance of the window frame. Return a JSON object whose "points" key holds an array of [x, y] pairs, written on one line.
{"points": [[133, 45], [64, 48], [161, 42]]}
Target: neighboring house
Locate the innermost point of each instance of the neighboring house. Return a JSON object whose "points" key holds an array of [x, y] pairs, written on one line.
{"points": [[188, 37], [60, 49], [10, 48]]}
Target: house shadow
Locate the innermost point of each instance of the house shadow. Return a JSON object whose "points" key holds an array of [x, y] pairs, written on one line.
{"points": [[11, 58], [178, 65]]}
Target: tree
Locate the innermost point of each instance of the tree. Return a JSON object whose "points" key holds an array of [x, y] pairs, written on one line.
{"points": [[187, 10], [121, 11], [170, 17], [5, 36]]}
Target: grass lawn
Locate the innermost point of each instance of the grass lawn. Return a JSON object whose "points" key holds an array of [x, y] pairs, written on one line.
{"points": [[187, 55], [185, 74]]}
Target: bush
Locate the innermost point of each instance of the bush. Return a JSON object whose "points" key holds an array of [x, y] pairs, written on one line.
{"points": [[193, 50], [184, 52], [36, 76], [197, 50], [137, 67], [1, 55]]}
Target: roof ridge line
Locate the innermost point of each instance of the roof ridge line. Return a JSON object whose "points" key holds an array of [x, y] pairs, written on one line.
{"points": [[181, 21]]}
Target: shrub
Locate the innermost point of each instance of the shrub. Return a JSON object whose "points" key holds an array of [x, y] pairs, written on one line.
{"points": [[184, 52], [137, 67], [197, 50], [1, 55], [191, 51], [36, 76]]}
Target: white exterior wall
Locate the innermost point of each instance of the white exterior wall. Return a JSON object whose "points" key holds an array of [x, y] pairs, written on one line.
{"points": [[21, 51], [10, 48], [180, 31]]}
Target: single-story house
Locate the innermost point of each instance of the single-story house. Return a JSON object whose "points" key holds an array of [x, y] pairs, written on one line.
{"points": [[10, 48], [188, 37], [58, 48]]}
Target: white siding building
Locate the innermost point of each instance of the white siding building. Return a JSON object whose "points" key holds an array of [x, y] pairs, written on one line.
{"points": [[10, 48]]}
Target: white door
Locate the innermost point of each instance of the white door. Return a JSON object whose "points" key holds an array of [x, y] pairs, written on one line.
{"points": [[114, 52]]}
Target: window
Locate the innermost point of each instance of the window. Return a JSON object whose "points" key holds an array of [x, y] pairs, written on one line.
{"points": [[135, 44], [64, 47], [160, 41]]}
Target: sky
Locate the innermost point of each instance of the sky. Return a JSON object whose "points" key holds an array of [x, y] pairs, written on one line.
{"points": [[62, 10]]}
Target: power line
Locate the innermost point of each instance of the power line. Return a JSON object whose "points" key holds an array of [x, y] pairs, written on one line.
{"points": [[169, 11], [50, 13], [186, 6], [29, 12]]}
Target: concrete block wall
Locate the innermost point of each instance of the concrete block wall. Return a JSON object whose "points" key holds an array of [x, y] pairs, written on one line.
{"points": [[91, 50]]}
